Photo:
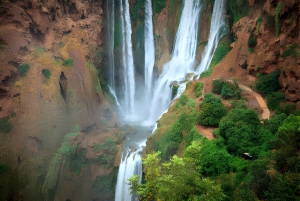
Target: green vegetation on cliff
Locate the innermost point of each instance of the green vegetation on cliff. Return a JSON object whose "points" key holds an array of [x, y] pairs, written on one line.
{"points": [[271, 151], [22, 69], [220, 52], [159, 5], [237, 9]]}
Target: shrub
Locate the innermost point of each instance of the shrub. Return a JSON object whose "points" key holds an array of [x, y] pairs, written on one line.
{"points": [[198, 89], [5, 126], [22, 69], [78, 161], [68, 62], [191, 136], [277, 22], [212, 110], [268, 83], [291, 50], [274, 99], [183, 99], [46, 73], [259, 21], [226, 89], [252, 41], [159, 5], [237, 9]]}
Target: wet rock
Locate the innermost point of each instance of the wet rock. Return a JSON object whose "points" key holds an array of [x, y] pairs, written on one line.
{"points": [[129, 129]]}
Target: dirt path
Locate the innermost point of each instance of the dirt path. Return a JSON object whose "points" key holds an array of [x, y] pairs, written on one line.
{"points": [[208, 132], [260, 100]]}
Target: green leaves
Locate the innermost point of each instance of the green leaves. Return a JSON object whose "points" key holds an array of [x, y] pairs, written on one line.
{"points": [[175, 180], [22, 69], [212, 110]]}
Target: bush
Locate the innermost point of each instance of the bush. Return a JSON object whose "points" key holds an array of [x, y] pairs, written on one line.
{"points": [[159, 5], [183, 99], [237, 9], [198, 89], [5, 126], [274, 99], [78, 161], [22, 69], [46, 73], [212, 110], [252, 41], [68, 62], [268, 83], [3, 168], [191, 136], [291, 50], [226, 89]]}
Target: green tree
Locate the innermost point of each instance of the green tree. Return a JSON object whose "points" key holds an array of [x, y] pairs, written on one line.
{"points": [[212, 110], [175, 180]]}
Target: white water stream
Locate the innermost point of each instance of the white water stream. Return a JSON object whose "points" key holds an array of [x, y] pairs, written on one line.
{"points": [[149, 50], [175, 71], [128, 101]]}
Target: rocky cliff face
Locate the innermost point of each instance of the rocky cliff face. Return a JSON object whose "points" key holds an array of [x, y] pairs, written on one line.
{"points": [[271, 52], [46, 35]]}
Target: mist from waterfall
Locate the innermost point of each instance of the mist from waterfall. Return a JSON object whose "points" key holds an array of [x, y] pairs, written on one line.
{"points": [[182, 62], [149, 50], [128, 101], [217, 31]]}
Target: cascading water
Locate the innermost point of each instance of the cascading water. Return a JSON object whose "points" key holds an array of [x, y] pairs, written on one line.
{"points": [[110, 34], [217, 31], [175, 71], [149, 49], [182, 62], [131, 164], [128, 101]]}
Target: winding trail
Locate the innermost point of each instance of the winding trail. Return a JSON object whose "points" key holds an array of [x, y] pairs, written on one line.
{"points": [[208, 131]]}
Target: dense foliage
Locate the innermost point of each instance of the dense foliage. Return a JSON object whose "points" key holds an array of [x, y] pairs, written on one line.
{"points": [[175, 180], [212, 110], [237, 9], [198, 89], [159, 5], [268, 83], [227, 89]]}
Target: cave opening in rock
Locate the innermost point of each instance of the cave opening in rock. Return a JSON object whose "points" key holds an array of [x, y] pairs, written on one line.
{"points": [[63, 85]]}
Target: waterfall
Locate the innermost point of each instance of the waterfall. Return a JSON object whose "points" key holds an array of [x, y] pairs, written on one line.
{"points": [[110, 34], [182, 62], [149, 49], [217, 28], [128, 68], [130, 165], [174, 72]]}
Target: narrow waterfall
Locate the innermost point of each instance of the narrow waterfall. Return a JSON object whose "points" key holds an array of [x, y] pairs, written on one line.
{"points": [[149, 49], [131, 164], [182, 62], [217, 28], [128, 101], [110, 5]]}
